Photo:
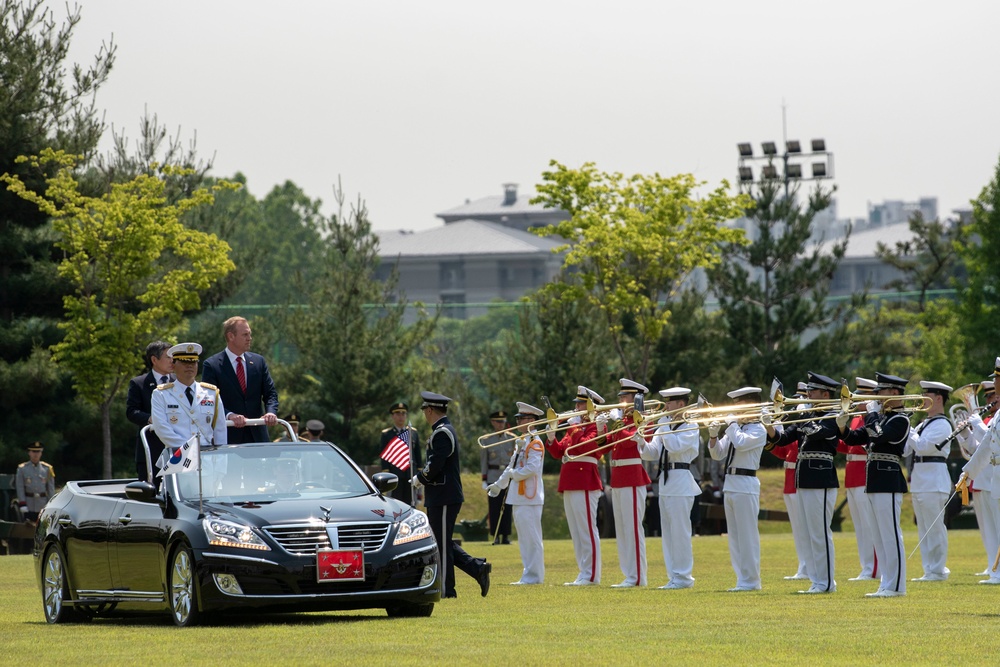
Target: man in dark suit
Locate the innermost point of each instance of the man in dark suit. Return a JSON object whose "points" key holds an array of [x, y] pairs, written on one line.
{"points": [[137, 410], [441, 476], [244, 382]]}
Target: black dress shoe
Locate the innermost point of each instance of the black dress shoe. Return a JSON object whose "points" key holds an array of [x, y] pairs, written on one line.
{"points": [[484, 578], [505, 541]]}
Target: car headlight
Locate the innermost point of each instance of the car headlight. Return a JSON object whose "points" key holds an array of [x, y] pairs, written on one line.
{"points": [[417, 527], [229, 534]]}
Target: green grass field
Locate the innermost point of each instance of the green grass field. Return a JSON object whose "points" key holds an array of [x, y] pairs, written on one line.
{"points": [[936, 623]]}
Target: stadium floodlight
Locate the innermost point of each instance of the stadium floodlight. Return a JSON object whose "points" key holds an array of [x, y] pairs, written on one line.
{"points": [[770, 171], [819, 169], [793, 171], [746, 175], [793, 146], [746, 150], [818, 146], [769, 148]]}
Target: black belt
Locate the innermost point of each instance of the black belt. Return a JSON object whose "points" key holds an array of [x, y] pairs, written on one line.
{"points": [[749, 472], [678, 466], [37, 495], [930, 459]]}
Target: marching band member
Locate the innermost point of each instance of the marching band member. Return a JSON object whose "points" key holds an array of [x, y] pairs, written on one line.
{"points": [[816, 480], [885, 432], [741, 447], [983, 503], [580, 485], [675, 445], [527, 495], [789, 455], [628, 492], [862, 514], [493, 459], [930, 482], [986, 457]]}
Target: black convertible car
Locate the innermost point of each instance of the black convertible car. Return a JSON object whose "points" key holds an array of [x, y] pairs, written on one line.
{"points": [[282, 527]]}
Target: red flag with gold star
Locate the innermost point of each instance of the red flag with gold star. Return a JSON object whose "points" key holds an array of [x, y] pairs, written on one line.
{"points": [[336, 565]]}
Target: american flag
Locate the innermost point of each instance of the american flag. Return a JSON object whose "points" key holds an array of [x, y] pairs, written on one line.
{"points": [[397, 452]]}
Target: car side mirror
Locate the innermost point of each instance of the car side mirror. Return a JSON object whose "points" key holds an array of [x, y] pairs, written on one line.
{"points": [[385, 482], [143, 492]]}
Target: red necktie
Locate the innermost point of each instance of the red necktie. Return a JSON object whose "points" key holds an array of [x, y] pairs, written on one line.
{"points": [[240, 375]]}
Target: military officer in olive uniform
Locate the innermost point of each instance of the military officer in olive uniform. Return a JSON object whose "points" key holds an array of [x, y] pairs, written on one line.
{"points": [[182, 408], [36, 483], [399, 414], [442, 478], [494, 459]]}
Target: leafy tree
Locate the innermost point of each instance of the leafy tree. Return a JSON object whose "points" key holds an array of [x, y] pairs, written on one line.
{"points": [[631, 242], [980, 297], [134, 269], [354, 353], [40, 106], [929, 260], [773, 291]]}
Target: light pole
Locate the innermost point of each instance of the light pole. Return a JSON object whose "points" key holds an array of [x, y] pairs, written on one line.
{"points": [[791, 159]]}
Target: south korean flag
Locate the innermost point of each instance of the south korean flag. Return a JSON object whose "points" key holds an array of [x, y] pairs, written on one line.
{"points": [[181, 459]]}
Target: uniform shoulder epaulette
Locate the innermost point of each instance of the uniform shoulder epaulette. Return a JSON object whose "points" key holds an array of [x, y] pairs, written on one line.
{"points": [[209, 386], [23, 464], [47, 465], [386, 430], [165, 386]]}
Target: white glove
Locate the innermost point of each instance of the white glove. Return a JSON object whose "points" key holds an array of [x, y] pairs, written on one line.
{"points": [[963, 481], [874, 406], [730, 420], [601, 421], [842, 419], [486, 485], [713, 429], [493, 489], [961, 426], [415, 482], [766, 418]]}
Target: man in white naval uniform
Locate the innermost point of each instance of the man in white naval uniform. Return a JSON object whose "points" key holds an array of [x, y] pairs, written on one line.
{"points": [[930, 482], [986, 457], [740, 448], [526, 495], [675, 445], [985, 505], [182, 408]]}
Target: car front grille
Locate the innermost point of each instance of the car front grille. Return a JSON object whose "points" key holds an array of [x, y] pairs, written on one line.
{"points": [[306, 539]]}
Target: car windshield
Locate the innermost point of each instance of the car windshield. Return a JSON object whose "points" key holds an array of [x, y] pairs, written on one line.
{"points": [[263, 473]]}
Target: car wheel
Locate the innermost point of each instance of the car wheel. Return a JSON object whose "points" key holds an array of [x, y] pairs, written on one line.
{"points": [[55, 590], [406, 610], [183, 587]]}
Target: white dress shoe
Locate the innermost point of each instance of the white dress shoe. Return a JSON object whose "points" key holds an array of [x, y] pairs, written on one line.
{"points": [[885, 594], [674, 586], [740, 589], [990, 582], [863, 577], [796, 577], [624, 584], [931, 577]]}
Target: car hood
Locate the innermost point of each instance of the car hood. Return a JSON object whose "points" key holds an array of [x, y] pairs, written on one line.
{"points": [[369, 508]]}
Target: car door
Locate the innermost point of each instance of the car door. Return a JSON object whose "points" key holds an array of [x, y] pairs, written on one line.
{"points": [[86, 537], [137, 543]]}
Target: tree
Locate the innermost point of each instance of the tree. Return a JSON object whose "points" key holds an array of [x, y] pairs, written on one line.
{"points": [[40, 106], [980, 297], [133, 267], [631, 243], [354, 353], [773, 291], [929, 260]]}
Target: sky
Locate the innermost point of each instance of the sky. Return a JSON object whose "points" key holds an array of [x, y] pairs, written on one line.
{"points": [[416, 107]]}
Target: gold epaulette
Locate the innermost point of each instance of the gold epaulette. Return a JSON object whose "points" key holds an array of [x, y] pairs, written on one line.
{"points": [[209, 386], [165, 386], [386, 430]]}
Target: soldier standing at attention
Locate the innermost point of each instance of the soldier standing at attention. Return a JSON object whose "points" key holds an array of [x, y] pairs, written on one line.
{"points": [[403, 458], [36, 483], [494, 458], [442, 476]]}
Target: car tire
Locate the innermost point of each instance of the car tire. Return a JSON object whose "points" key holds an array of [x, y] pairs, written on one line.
{"points": [[55, 588], [407, 610], [182, 587]]}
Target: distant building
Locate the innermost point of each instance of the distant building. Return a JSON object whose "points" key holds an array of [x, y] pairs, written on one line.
{"points": [[467, 264], [509, 209]]}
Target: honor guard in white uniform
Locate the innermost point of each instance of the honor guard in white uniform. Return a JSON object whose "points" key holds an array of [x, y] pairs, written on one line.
{"points": [[35, 483], [986, 508], [526, 494], [930, 482], [740, 448], [986, 457], [184, 407], [885, 433], [675, 445]]}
